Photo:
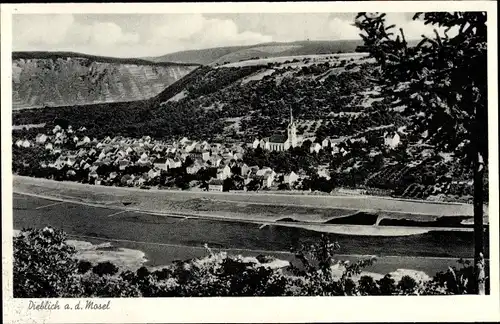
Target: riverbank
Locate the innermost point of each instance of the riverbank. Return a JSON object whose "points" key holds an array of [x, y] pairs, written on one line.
{"points": [[260, 207], [136, 239]]}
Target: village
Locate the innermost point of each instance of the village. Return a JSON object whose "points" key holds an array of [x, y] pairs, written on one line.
{"points": [[145, 162], [186, 164]]}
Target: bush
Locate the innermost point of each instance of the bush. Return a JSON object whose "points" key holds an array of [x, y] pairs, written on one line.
{"points": [[387, 285], [368, 286], [407, 285], [45, 266], [84, 266], [105, 268]]}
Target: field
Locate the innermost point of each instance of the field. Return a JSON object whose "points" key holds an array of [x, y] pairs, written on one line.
{"points": [[287, 60], [27, 126]]}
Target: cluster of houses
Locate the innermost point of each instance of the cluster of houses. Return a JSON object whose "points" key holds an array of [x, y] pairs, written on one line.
{"points": [[332, 144], [72, 151], [279, 142]]}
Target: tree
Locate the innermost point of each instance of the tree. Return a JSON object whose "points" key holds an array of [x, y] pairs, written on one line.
{"points": [[105, 268], [228, 184], [43, 265], [284, 186], [253, 185], [407, 285], [443, 83], [238, 182], [368, 286], [84, 266], [181, 182], [318, 262]]}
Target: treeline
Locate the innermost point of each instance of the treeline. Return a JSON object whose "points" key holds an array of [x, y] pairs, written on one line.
{"points": [[46, 266], [295, 159], [216, 79], [131, 119]]}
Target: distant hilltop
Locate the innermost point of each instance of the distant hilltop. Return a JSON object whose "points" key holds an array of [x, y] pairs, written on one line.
{"points": [[65, 78], [232, 54], [56, 79], [102, 59]]}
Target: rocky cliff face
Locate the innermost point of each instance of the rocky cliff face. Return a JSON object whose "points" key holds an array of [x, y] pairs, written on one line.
{"points": [[73, 80]]}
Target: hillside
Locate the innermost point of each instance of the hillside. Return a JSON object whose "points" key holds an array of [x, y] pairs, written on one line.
{"points": [[331, 96], [240, 101], [222, 55], [62, 78]]}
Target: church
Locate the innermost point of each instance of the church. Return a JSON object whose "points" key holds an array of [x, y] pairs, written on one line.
{"points": [[280, 143]]}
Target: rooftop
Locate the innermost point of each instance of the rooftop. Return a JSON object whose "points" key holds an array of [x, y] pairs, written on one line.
{"points": [[278, 139]]}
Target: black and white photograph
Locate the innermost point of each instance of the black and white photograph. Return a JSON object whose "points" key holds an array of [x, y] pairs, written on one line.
{"points": [[249, 154]]}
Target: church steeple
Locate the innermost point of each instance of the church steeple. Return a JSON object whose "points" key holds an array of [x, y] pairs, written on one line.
{"points": [[292, 131]]}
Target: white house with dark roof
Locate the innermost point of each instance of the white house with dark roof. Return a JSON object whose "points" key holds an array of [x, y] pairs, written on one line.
{"points": [[392, 139], [123, 164], [215, 160], [195, 167], [216, 185], [41, 138], [173, 163], [196, 154], [152, 173], [326, 142], [223, 172], [315, 148], [160, 164], [143, 163], [266, 175], [290, 178]]}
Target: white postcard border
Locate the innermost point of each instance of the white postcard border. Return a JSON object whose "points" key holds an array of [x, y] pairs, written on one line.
{"points": [[259, 309]]}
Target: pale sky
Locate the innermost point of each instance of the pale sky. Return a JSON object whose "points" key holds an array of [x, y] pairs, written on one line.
{"points": [[139, 35]]}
